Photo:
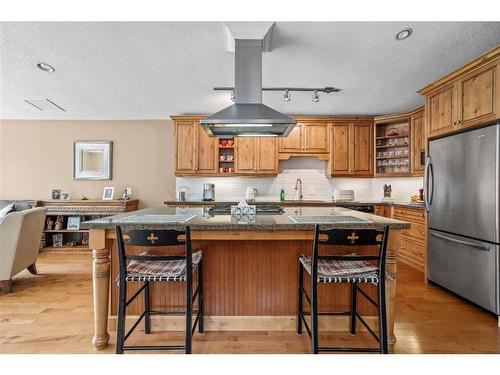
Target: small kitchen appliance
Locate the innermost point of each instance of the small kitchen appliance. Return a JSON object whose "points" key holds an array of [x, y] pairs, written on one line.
{"points": [[251, 194], [343, 195], [209, 192]]}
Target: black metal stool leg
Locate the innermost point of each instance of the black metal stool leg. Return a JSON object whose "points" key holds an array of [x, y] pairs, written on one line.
{"points": [[300, 298], [200, 296], [382, 320], [189, 313], [120, 329], [352, 321], [147, 316], [314, 315]]}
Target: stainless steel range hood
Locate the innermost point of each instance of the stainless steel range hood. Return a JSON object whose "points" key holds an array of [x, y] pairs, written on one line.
{"points": [[248, 116]]}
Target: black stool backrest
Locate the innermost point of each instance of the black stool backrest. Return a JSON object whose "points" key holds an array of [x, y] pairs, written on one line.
{"points": [[153, 238], [350, 238]]}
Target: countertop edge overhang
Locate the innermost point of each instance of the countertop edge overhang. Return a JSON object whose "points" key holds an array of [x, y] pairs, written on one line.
{"points": [[282, 222]]}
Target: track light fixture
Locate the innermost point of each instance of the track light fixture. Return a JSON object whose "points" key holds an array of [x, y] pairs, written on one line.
{"points": [[287, 90], [315, 98], [286, 96]]}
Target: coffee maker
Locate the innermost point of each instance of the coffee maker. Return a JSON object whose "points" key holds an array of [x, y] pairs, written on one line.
{"points": [[208, 192]]}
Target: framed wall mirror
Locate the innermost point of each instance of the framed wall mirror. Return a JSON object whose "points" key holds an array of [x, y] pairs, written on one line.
{"points": [[92, 160]]}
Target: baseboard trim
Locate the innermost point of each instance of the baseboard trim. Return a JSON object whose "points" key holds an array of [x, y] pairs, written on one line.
{"points": [[246, 323]]}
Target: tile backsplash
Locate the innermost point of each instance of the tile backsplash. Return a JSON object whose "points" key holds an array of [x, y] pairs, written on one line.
{"points": [[315, 184]]}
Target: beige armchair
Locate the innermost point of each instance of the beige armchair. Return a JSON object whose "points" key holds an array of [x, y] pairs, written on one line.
{"points": [[20, 234]]}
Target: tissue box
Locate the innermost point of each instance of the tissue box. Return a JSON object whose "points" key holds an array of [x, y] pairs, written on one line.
{"points": [[243, 214]]}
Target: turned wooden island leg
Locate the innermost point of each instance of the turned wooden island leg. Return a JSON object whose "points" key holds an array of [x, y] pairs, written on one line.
{"points": [[391, 271], [100, 276]]}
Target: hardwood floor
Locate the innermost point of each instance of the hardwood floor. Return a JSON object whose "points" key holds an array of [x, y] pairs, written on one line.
{"points": [[52, 313]]}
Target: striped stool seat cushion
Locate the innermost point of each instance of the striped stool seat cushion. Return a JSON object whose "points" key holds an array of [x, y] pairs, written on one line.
{"points": [[160, 270], [342, 271]]}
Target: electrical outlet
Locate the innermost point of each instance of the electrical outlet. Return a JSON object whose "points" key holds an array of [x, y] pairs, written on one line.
{"points": [[311, 191]]}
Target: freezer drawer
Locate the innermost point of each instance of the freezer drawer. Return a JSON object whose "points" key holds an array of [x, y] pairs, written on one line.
{"points": [[467, 267]]}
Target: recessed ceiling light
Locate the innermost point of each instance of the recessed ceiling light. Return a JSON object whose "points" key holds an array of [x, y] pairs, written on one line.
{"points": [[403, 34], [45, 67]]}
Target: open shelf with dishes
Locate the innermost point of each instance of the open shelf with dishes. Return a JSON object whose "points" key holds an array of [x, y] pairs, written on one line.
{"points": [[226, 156], [392, 146]]}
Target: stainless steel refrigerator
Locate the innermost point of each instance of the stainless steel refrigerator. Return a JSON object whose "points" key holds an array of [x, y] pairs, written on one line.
{"points": [[462, 188]]}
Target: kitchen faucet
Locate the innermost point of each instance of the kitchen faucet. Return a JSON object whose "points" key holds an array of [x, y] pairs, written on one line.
{"points": [[297, 191]]}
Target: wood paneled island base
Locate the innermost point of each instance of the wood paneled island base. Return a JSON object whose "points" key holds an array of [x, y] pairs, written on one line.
{"points": [[250, 282]]}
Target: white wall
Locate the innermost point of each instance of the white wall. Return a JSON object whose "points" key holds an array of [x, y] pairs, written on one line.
{"points": [[315, 184]]}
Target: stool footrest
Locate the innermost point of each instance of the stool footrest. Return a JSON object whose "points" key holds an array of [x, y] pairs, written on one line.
{"points": [[170, 347], [357, 350], [170, 312]]}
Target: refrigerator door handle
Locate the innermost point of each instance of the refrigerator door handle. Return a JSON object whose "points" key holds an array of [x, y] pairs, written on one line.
{"points": [[428, 175], [461, 242]]}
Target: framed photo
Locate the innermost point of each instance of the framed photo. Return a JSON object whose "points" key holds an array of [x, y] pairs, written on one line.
{"points": [[57, 240], [108, 194], [73, 223], [65, 196], [56, 193]]}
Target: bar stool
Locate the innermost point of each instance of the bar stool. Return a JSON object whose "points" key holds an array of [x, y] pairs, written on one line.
{"points": [[353, 269], [148, 268]]}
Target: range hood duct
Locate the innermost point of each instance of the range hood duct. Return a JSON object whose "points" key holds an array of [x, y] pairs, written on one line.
{"points": [[248, 116]]}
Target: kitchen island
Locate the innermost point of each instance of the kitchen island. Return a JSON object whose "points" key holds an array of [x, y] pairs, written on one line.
{"points": [[250, 270]]}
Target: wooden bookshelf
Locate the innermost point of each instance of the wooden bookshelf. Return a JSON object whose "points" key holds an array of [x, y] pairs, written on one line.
{"points": [[85, 210]]}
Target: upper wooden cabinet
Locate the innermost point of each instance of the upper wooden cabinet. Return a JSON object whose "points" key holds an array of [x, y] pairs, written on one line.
{"points": [[256, 155], [351, 148], [292, 142], [469, 96], [316, 137], [194, 151], [478, 95], [443, 110], [309, 137], [418, 142], [184, 147], [267, 155]]}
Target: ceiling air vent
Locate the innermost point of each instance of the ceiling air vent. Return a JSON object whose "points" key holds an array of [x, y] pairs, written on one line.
{"points": [[45, 105]]}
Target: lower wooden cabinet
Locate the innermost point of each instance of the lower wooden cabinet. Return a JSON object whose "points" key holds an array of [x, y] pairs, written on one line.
{"points": [[383, 210], [413, 248], [256, 155], [351, 152]]}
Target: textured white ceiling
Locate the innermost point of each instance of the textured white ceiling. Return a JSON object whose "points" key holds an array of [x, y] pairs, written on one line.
{"points": [[136, 70]]}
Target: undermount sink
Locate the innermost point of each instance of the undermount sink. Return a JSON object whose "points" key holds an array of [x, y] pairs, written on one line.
{"points": [[326, 219]]}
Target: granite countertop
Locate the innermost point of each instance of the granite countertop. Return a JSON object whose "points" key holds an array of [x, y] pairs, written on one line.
{"points": [[263, 222], [305, 202]]}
